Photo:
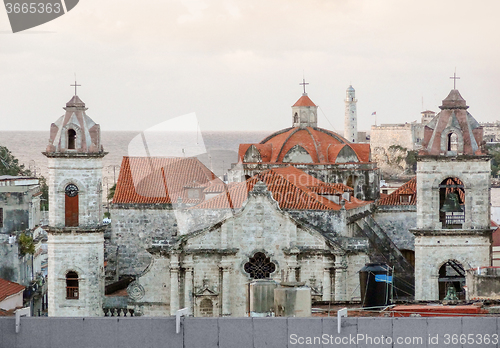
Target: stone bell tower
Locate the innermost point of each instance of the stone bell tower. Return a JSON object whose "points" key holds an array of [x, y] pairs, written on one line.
{"points": [[453, 203], [304, 111], [75, 238]]}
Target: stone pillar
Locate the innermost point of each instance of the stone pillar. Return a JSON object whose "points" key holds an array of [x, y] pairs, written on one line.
{"points": [[226, 267], [174, 283], [292, 265], [327, 281], [188, 284], [340, 278]]}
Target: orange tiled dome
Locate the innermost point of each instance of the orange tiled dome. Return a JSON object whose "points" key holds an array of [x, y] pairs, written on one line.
{"points": [[318, 144]]}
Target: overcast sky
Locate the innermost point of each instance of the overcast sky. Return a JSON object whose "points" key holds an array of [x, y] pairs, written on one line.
{"points": [[238, 64]]}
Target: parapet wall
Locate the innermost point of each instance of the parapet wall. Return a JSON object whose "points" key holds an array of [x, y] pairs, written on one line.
{"points": [[249, 332]]}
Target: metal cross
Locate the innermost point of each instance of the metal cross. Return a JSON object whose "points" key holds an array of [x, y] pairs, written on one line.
{"points": [[304, 83], [455, 78], [75, 85]]}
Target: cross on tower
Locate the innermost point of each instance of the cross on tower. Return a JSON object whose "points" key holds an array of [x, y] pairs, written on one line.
{"points": [[455, 78], [304, 83], [75, 85]]}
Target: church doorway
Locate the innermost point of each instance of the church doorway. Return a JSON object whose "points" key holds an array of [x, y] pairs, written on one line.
{"points": [[451, 281]]}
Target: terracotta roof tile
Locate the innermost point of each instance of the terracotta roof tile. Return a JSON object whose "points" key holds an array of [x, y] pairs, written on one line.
{"points": [[409, 188], [304, 100], [289, 186], [8, 288], [160, 180]]}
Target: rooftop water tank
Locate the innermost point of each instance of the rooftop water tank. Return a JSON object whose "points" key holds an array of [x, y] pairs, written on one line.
{"points": [[375, 280], [292, 300]]}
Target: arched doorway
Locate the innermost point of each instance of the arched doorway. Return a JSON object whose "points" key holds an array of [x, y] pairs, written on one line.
{"points": [[451, 280], [452, 203]]}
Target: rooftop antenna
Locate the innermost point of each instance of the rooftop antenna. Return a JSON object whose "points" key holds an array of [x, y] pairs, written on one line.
{"points": [[455, 78]]}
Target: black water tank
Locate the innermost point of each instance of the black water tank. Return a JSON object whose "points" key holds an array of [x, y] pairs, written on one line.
{"points": [[375, 280]]}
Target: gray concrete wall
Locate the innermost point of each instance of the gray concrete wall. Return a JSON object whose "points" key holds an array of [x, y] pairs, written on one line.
{"points": [[248, 333]]}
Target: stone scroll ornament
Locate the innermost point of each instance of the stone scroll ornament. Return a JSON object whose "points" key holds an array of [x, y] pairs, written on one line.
{"points": [[135, 291], [26, 14]]}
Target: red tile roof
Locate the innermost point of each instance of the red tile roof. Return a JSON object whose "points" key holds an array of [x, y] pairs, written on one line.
{"points": [[322, 145], [409, 188], [289, 186], [160, 180], [304, 101], [8, 288]]}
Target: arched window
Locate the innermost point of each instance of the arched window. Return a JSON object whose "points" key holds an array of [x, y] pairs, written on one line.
{"points": [[452, 203], [72, 286], [259, 266], [296, 118], [452, 142], [451, 281], [71, 139], [206, 308]]}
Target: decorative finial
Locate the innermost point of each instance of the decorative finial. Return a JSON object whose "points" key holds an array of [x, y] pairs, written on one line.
{"points": [[304, 83], [75, 85], [455, 78]]}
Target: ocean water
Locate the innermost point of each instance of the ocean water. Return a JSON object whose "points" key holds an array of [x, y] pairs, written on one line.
{"points": [[220, 148]]}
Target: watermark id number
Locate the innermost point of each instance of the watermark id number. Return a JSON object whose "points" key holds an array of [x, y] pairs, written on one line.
{"points": [[470, 339], [33, 7]]}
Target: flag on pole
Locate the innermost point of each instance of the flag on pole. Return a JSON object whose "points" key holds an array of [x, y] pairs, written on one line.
{"points": [[374, 113]]}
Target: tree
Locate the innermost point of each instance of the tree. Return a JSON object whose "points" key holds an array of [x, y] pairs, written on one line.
{"points": [[111, 192], [9, 165], [494, 152]]}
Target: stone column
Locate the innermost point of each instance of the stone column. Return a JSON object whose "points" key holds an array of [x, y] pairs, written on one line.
{"points": [[327, 281], [188, 284], [340, 281], [226, 267], [174, 283], [292, 265]]}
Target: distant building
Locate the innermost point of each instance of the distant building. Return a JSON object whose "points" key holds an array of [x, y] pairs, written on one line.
{"points": [[11, 295], [319, 152]]}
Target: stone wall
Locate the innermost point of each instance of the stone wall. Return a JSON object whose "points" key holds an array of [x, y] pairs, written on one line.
{"points": [[431, 252], [397, 224], [248, 332], [83, 253], [86, 174], [473, 171], [133, 230]]}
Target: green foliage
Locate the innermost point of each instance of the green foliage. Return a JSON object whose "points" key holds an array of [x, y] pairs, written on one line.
{"points": [[107, 215], [397, 147], [111, 192], [9, 165], [26, 245], [494, 152], [411, 161]]}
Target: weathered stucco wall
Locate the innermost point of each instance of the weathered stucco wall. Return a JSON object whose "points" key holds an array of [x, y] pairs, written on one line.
{"points": [[397, 225], [133, 230], [83, 253]]}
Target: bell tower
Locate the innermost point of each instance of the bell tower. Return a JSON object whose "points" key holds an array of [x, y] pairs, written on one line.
{"points": [[453, 231], [75, 234], [304, 111]]}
